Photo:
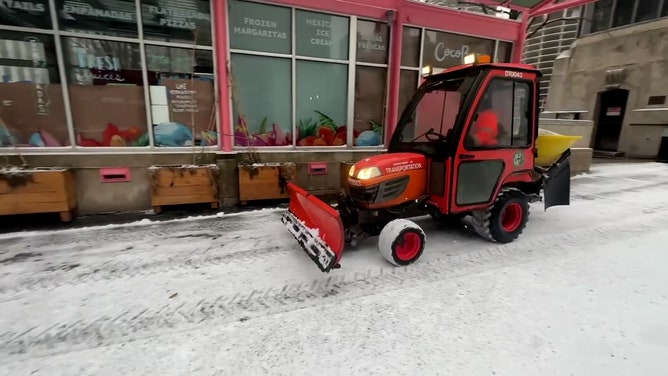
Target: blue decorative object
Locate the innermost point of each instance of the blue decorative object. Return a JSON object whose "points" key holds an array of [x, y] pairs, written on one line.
{"points": [[172, 134], [36, 140], [6, 138], [368, 138]]}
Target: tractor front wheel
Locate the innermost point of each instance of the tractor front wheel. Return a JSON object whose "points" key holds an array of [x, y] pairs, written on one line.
{"points": [[505, 220], [401, 242]]}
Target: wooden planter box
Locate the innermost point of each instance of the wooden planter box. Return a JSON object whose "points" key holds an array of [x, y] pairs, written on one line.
{"points": [[178, 185], [265, 181], [30, 191]]}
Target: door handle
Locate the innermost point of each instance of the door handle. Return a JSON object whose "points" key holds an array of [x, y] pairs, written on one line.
{"points": [[466, 156]]}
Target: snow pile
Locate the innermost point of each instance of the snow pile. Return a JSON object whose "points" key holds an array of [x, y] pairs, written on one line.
{"points": [[15, 170], [183, 166], [139, 223]]}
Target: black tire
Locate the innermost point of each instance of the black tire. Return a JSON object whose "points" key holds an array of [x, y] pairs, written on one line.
{"points": [[394, 236], [505, 220]]}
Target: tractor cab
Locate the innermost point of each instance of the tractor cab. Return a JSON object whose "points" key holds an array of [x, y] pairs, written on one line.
{"points": [[476, 124]]}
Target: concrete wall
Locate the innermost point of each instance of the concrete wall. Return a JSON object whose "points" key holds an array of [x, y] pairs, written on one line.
{"points": [[94, 196], [642, 51]]}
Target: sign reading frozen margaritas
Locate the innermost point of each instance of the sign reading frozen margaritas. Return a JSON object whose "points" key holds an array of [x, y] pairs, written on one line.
{"points": [[259, 27]]}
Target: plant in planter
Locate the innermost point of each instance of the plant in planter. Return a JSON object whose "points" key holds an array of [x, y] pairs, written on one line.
{"points": [[26, 190], [263, 181], [184, 184]]}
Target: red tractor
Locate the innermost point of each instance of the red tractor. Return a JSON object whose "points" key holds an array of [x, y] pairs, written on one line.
{"points": [[464, 145]]}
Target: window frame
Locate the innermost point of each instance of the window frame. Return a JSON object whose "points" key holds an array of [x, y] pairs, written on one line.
{"points": [[609, 25], [384, 135], [57, 34], [530, 104], [351, 63]]}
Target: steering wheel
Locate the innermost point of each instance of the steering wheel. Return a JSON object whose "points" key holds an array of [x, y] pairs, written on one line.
{"points": [[437, 136]]}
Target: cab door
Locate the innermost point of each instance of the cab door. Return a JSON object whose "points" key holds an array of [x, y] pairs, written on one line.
{"points": [[483, 160]]}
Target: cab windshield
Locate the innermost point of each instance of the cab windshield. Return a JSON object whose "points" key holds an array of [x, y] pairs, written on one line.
{"points": [[435, 113]]}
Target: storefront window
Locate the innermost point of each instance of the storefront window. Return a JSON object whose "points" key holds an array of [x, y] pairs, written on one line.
{"points": [[410, 47], [321, 35], [182, 96], [407, 86], [623, 13], [106, 92], [259, 27], [32, 113], [504, 52], [601, 17], [33, 13], [647, 10], [322, 103], [177, 21], [261, 100], [445, 50], [408, 79], [370, 89], [370, 83]]}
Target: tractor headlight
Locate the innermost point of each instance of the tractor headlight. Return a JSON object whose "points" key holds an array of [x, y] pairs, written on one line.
{"points": [[368, 173], [351, 171]]}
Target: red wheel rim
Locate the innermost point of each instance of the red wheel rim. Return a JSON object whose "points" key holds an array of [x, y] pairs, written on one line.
{"points": [[409, 246], [511, 218]]}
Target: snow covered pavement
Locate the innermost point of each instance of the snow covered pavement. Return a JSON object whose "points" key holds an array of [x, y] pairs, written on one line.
{"points": [[584, 291]]}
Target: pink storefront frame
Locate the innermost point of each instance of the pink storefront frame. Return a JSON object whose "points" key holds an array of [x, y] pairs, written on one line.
{"points": [[405, 13]]}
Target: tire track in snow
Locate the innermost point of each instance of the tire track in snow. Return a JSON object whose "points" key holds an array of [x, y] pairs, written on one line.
{"points": [[595, 195], [187, 241], [200, 257], [147, 322]]}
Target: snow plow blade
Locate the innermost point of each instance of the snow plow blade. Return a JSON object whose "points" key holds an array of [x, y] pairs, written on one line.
{"points": [[316, 226]]}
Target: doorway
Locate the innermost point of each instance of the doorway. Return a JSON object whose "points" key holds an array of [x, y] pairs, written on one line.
{"points": [[612, 106]]}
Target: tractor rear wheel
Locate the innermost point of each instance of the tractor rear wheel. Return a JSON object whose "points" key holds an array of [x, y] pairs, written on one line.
{"points": [[401, 242], [505, 220]]}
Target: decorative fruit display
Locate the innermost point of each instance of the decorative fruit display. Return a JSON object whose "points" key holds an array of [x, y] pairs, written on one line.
{"points": [[114, 136], [273, 137], [322, 132], [371, 137]]}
